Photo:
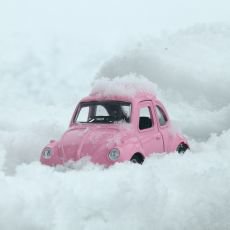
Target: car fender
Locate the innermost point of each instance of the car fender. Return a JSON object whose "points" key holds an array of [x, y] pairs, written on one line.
{"points": [[178, 140], [131, 146], [56, 157]]}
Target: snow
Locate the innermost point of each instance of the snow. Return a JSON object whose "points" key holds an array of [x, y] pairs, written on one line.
{"points": [[129, 85], [167, 192], [190, 69], [43, 77]]}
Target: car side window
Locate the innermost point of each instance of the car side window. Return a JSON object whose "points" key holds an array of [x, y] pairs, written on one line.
{"points": [[101, 111], [83, 115], [161, 116], [145, 119]]}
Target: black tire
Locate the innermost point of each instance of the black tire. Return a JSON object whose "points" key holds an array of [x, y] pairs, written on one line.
{"points": [[137, 158], [182, 147]]}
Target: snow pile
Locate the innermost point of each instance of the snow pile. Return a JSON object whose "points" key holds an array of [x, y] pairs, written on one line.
{"points": [[166, 192], [129, 85], [191, 68], [189, 72]]}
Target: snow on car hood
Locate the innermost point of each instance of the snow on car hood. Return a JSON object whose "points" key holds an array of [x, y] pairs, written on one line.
{"points": [[94, 141]]}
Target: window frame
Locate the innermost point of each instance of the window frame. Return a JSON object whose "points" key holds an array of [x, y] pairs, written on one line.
{"points": [[85, 103], [161, 109], [144, 104]]}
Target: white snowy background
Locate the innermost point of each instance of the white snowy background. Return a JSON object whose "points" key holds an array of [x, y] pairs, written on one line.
{"points": [[50, 53]]}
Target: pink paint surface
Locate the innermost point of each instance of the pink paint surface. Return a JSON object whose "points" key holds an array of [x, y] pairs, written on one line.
{"points": [[96, 138]]}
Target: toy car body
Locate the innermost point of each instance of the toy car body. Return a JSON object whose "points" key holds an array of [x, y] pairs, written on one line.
{"points": [[115, 128]]}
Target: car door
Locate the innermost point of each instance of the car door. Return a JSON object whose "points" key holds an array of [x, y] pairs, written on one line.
{"points": [[164, 126], [149, 135]]}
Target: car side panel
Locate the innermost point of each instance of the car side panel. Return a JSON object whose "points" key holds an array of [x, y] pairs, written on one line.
{"points": [[171, 137], [150, 139]]}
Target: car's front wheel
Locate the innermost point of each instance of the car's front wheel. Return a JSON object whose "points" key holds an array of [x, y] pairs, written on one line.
{"points": [[137, 158]]}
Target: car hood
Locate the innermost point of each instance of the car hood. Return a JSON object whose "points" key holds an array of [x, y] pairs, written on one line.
{"points": [[95, 141]]}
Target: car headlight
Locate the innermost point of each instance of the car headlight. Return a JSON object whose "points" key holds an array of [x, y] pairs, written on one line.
{"points": [[114, 154], [47, 153]]}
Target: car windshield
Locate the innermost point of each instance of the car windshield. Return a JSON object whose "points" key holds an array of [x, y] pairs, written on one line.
{"points": [[103, 112]]}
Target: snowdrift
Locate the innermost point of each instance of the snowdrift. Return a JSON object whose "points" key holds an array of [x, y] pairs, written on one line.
{"points": [[167, 192], [191, 75], [191, 69]]}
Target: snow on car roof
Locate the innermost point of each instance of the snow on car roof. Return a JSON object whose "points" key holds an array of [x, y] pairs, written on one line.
{"points": [[129, 87], [136, 98]]}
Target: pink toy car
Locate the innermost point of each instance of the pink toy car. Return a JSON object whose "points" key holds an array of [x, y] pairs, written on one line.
{"points": [[111, 129]]}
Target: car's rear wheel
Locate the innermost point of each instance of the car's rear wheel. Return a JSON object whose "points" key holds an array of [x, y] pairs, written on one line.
{"points": [[182, 147], [137, 158]]}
